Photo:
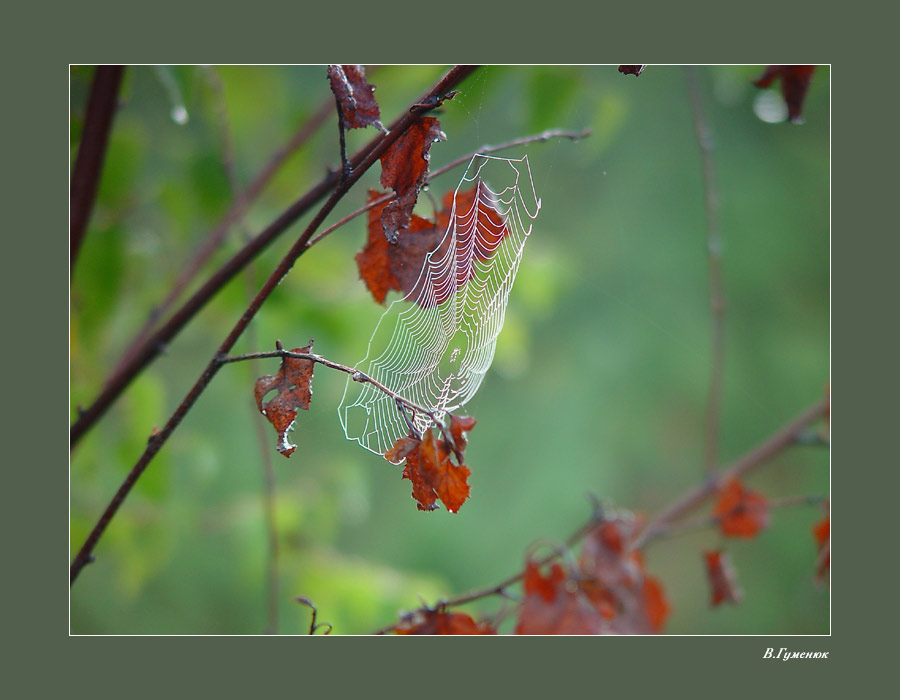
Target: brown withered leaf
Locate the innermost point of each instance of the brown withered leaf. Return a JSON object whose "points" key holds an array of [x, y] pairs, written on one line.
{"points": [[442, 622], [402, 448], [293, 384], [555, 604], [432, 474], [722, 578], [356, 97], [794, 85], [614, 579], [404, 169], [385, 266], [739, 511], [631, 70], [459, 430]]}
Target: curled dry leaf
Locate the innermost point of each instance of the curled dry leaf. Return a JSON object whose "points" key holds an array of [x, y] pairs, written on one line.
{"points": [[459, 431], [739, 511], [794, 85], [442, 622], [355, 96], [631, 70], [385, 266], [293, 384], [431, 472], [722, 578], [404, 169]]}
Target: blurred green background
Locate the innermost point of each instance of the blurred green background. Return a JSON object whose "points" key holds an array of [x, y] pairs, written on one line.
{"points": [[599, 384]]}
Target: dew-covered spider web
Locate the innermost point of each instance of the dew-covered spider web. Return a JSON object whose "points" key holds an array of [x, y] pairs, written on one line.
{"points": [[435, 345]]}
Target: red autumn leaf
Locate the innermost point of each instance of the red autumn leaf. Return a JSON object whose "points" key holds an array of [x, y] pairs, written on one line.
{"points": [[404, 168], [722, 578], [739, 511], [459, 428], [555, 604], [355, 96], [655, 605], [794, 84], [631, 70], [385, 266], [822, 533], [440, 622], [614, 579], [433, 475], [401, 449], [294, 391]]}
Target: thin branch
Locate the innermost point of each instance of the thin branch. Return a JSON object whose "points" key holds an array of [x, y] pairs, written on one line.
{"points": [[543, 137], [434, 98], [597, 518], [241, 202], [714, 252], [354, 373], [85, 181], [752, 459], [487, 149], [157, 342], [686, 527], [313, 626], [265, 454], [659, 526]]}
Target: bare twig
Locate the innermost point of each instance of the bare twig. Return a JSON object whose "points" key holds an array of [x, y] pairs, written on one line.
{"points": [[85, 181], [354, 373], [156, 343], [752, 459], [714, 253], [685, 527], [435, 97], [312, 624], [543, 137], [500, 589], [240, 204], [265, 455]]}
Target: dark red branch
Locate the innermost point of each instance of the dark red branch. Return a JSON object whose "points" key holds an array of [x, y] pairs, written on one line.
{"points": [[434, 98], [85, 181]]}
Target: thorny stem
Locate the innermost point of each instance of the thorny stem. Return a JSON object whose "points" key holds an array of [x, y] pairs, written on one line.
{"points": [[714, 253], [434, 98], [85, 180], [782, 438]]}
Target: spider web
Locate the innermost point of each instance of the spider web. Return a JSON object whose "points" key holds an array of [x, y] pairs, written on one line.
{"points": [[434, 346]]}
